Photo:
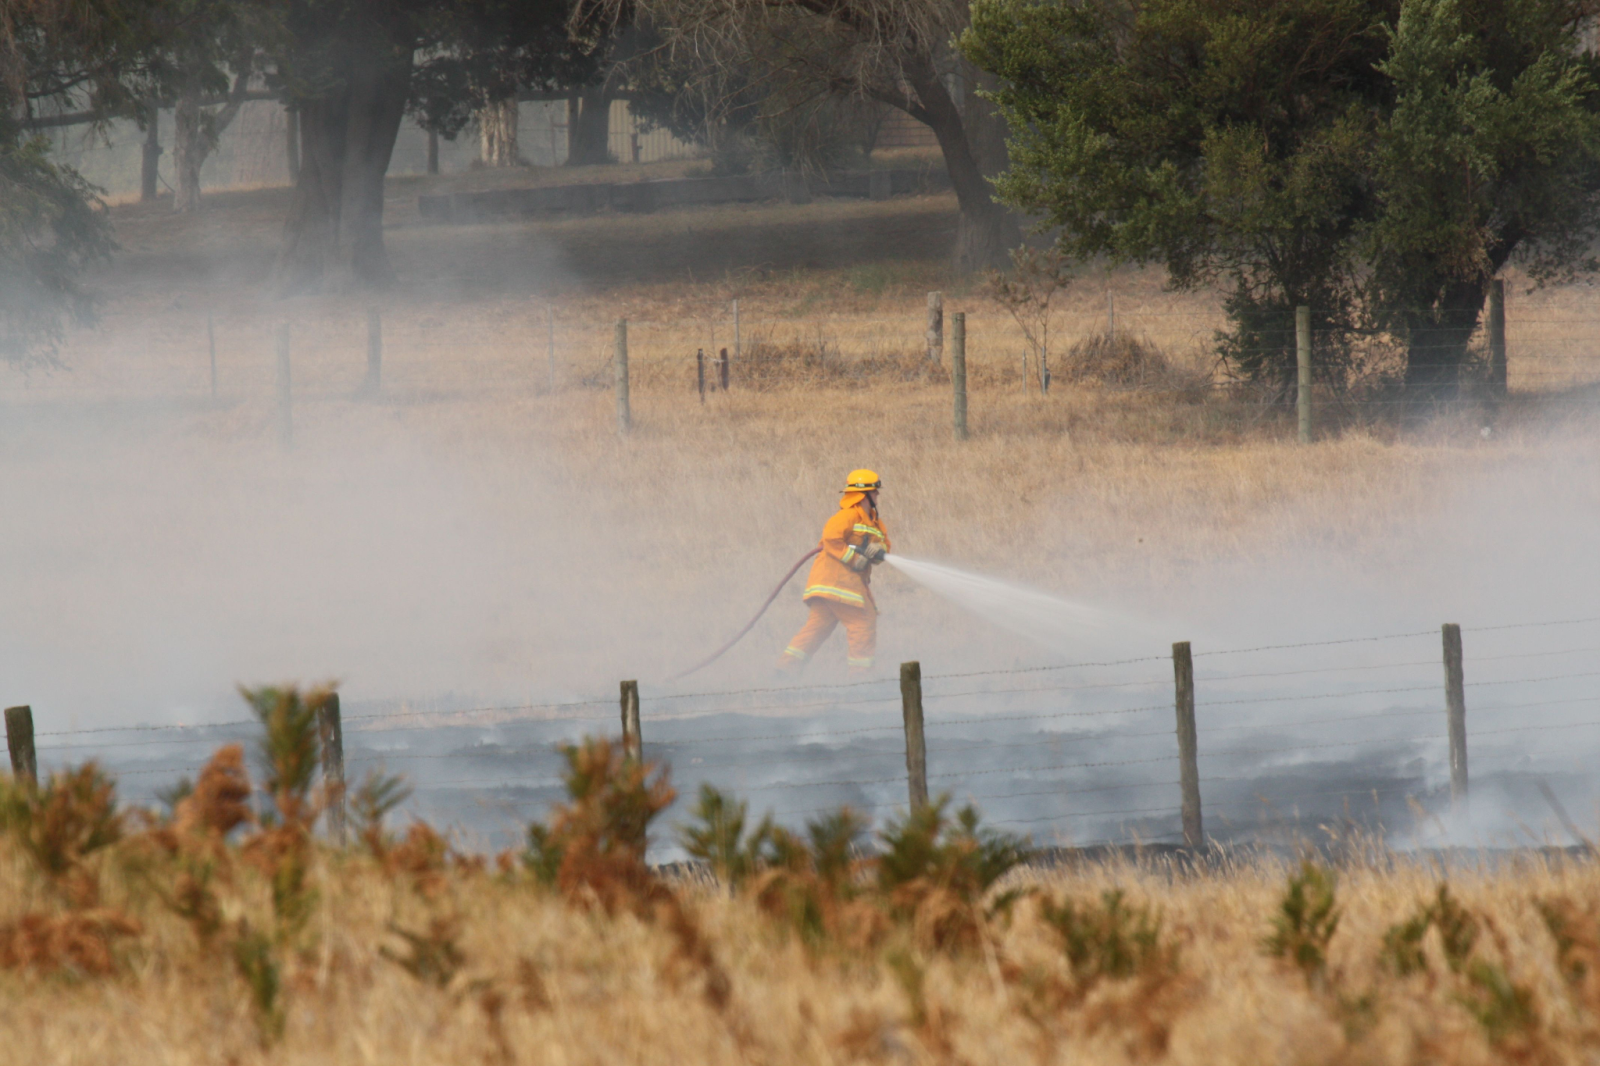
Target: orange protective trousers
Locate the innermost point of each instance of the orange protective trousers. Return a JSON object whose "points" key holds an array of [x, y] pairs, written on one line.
{"points": [[860, 627]]}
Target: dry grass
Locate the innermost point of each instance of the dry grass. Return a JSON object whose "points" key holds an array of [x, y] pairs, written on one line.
{"points": [[1104, 490], [256, 949]]}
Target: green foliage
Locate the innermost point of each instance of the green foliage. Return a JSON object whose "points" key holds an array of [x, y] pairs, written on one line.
{"points": [[1109, 940], [960, 855], [718, 839], [433, 957], [1502, 1006], [1306, 920], [1221, 139], [290, 746], [378, 795], [1377, 160], [257, 963], [53, 226], [1458, 934]]}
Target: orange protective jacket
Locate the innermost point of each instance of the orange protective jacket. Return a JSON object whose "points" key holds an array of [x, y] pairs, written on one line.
{"points": [[843, 537]]}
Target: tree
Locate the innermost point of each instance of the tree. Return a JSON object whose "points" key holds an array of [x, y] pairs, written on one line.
{"points": [[897, 52], [80, 58], [1491, 150], [352, 68], [1219, 138], [1378, 160], [208, 54]]}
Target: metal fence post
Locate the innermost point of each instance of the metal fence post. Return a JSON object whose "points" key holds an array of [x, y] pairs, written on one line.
{"points": [[916, 744], [330, 728], [19, 742], [620, 359], [1455, 698], [1302, 352], [632, 741], [958, 370], [1188, 745], [700, 371]]}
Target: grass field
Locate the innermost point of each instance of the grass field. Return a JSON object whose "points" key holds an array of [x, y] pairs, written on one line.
{"points": [[1144, 497]]}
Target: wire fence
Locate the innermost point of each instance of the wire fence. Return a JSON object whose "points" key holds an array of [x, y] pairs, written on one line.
{"points": [[1140, 357], [1082, 752]]}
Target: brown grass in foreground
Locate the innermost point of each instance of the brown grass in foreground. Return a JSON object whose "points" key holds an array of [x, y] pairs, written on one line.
{"points": [[216, 933]]}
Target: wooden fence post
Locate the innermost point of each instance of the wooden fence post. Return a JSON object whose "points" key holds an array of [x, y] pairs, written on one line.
{"points": [[620, 359], [374, 351], [1455, 698], [19, 742], [330, 727], [1302, 358], [936, 326], [285, 412], [1497, 337], [916, 744], [1188, 745], [211, 344], [291, 143], [700, 371], [958, 370], [632, 741]]}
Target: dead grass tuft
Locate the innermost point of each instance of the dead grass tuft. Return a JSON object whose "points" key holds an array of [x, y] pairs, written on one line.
{"points": [[81, 942]]}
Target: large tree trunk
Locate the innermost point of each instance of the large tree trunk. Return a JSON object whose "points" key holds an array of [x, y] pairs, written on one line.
{"points": [[1436, 343], [149, 172], [986, 232], [497, 124], [589, 143], [347, 136]]}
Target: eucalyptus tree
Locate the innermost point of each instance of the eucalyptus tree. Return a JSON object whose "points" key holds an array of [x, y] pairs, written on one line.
{"points": [[898, 52]]}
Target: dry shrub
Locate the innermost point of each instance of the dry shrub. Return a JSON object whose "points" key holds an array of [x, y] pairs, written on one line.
{"points": [[1117, 358], [593, 851], [816, 884], [803, 364], [935, 871], [60, 825], [80, 942], [219, 802], [594, 846]]}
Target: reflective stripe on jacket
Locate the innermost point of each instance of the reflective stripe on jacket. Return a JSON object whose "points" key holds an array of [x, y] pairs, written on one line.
{"points": [[843, 538]]}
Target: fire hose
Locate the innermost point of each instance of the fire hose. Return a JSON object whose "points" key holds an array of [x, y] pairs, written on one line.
{"points": [[720, 652]]}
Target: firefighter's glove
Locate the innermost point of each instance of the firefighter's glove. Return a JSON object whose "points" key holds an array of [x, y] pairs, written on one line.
{"points": [[874, 553], [858, 561]]}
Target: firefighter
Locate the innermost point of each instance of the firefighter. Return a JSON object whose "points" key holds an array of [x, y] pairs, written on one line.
{"points": [[839, 587]]}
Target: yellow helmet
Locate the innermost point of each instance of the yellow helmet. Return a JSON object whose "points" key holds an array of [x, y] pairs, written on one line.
{"points": [[863, 481]]}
